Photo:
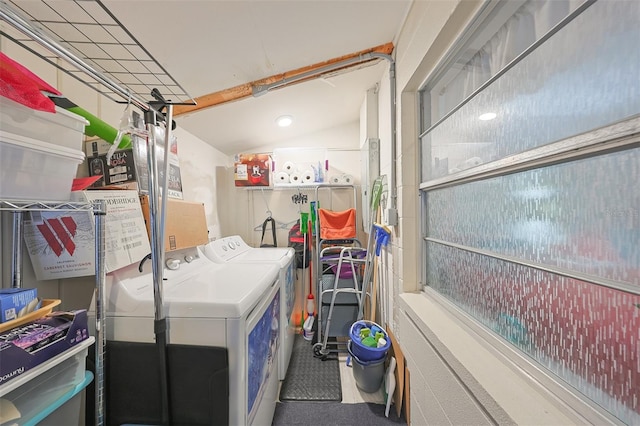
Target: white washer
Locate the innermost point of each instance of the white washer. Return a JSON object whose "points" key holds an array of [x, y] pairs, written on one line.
{"points": [[209, 304], [233, 249]]}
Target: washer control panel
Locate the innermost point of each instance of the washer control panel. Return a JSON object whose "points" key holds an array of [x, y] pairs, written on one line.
{"points": [[225, 249]]}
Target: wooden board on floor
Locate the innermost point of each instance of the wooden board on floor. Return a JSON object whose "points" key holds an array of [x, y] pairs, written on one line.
{"points": [[396, 352]]}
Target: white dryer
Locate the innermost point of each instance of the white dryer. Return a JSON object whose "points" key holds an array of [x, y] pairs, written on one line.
{"points": [[233, 249], [214, 305]]}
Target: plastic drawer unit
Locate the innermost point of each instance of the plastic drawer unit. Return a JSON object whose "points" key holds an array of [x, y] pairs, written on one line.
{"points": [[50, 393]]}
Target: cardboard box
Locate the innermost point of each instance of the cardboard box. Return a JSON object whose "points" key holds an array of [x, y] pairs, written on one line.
{"points": [[131, 186], [62, 244], [185, 223], [120, 170], [14, 302], [96, 147], [29, 345], [133, 168], [96, 151]]}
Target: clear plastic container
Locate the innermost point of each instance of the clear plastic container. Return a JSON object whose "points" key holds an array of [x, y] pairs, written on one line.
{"points": [[293, 167], [35, 390], [34, 170], [63, 128]]}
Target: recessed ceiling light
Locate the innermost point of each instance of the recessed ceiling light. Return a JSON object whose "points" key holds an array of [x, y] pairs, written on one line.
{"points": [[488, 116], [284, 120]]}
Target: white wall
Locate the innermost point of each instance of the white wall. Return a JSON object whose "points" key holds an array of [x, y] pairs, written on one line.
{"points": [[199, 163]]}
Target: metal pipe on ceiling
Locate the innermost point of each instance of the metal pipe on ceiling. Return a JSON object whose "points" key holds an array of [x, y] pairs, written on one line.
{"points": [[262, 89]]}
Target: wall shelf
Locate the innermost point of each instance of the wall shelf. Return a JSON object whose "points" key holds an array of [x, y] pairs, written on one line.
{"points": [[32, 205]]}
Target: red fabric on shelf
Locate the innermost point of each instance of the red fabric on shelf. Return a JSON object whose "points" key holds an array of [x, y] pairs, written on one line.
{"points": [[21, 85]]}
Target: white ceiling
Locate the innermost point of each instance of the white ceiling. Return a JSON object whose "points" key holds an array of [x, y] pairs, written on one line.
{"points": [[209, 46]]}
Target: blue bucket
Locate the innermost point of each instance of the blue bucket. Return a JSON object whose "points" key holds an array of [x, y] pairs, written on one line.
{"points": [[363, 352]]}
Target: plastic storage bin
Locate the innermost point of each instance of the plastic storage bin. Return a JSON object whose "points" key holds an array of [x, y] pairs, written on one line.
{"points": [[34, 170], [34, 392], [293, 167], [63, 128], [66, 410]]}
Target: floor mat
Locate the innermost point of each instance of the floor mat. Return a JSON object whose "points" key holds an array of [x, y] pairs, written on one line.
{"points": [[333, 413], [309, 378]]}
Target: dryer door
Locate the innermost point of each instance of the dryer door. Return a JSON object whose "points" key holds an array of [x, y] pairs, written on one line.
{"points": [[263, 344]]}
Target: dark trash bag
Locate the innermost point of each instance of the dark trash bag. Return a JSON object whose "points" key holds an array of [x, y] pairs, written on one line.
{"points": [[273, 232], [302, 253]]}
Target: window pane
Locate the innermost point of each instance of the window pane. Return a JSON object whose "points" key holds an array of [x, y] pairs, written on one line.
{"points": [[587, 335], [582, 78], [508, 31], [583, 216]]}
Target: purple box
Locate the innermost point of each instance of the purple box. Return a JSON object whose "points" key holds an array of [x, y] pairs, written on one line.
{"points": [[29, 345]]}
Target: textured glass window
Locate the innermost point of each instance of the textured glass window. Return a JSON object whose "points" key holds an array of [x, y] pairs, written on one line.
{"points": [[547, 257], [582, 78], [587, 335], [583, 216], [508, 30]]}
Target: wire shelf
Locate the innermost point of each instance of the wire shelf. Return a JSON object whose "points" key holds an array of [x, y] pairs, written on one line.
{"points": [[31, 205], [89, 32]]}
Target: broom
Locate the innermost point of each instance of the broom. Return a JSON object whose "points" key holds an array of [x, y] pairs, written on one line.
{"points": [[310, 300], [304, 229]]}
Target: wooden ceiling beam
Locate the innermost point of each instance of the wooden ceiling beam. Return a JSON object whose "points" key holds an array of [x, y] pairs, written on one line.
{"points": [[245, 90]]}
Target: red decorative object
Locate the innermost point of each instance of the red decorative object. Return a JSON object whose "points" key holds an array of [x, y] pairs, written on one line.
{"points": [[252, 170]]}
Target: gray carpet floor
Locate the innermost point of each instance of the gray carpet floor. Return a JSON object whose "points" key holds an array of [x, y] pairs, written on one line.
{"points": [[333, 413]]}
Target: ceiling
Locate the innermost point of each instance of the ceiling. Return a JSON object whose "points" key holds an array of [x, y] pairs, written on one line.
{"points": [[211, 46]]}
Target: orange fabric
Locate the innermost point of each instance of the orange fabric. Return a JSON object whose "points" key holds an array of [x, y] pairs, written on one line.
{"points": [[337, 225]]}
